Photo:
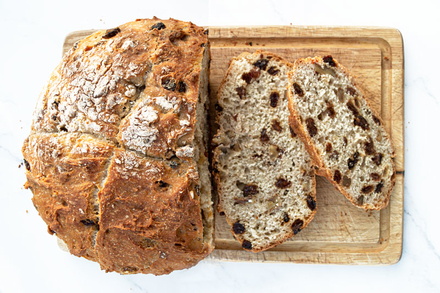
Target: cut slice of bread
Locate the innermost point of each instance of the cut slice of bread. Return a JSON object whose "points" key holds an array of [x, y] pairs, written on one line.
{"points": [[264, 176], [343, 134]]}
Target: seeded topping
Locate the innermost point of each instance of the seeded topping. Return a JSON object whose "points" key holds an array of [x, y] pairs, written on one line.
{"points": [[238, 228]]}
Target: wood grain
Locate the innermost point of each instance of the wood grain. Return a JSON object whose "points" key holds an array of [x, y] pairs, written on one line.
{"points": [[340, 233]]}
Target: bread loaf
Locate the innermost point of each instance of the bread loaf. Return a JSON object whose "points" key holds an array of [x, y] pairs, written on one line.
{"points": [[116, 158], [343, 134], [264, 176]]}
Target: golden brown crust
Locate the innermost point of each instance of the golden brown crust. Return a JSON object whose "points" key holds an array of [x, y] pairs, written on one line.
{"points": [[316, 159], [217, 153], [111, 153]]}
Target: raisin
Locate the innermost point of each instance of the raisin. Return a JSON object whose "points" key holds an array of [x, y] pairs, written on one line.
{"points": [[141, 88], [297, 226], [346, 181], [337, 176], [378, 187], [238, 228], [286, 218], [331, 110], [218, 108], [369, 147], [247, 77], [360, 200], [377, 159], [246, 244], [357, 103], [111, 33], [63, 128], [334, 155], [162, 184], [182, 87], [311, 127], [329, 60], [376, 120], [352, 161], [221, 213], [250, 189], [158, 25], [88, 222], [352, 108], [292, 133], [274, 96], [241, 91], [273, 71], [276, 125], [367, 189], [362, 122], [169, 84], [298, 90], [311, 203], [345, 141], [351, 91], [264, 137], [27, 165], [282, 183], [54, 117], [262, 64], [375, 176], [328, 147]]}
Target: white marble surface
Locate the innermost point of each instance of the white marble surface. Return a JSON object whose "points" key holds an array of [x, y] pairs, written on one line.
{"points": [[32, 33]]}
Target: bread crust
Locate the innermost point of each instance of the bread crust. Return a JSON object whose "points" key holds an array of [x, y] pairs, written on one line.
{"points": [[217, 152], [111, 154], [321, 170]]}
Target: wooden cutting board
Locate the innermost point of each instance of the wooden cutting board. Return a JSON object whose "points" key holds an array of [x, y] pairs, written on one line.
{"points": [[340, 233]]}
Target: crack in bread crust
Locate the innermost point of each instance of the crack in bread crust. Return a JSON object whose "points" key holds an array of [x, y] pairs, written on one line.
{"points": [[264, 177], [342, 132], [134, 89]]}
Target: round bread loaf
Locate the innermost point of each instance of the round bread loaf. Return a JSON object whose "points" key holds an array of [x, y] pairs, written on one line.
{"points": [[116, 158]]}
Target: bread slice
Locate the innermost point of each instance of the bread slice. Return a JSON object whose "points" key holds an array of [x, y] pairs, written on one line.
{"points": [[117, 155], [343, 134], [264, 176]]}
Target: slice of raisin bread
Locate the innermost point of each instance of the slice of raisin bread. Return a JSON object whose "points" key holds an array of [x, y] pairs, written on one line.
{"points": [[264, 176], [343, 134]]}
